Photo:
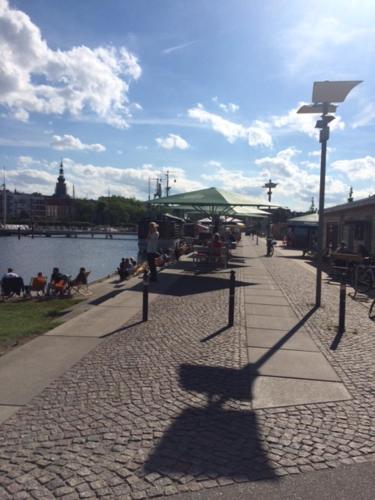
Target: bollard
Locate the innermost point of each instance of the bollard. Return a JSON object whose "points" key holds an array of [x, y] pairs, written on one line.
{"points": [[145, 296], [257, 240], [232, 284], [342, 308]]}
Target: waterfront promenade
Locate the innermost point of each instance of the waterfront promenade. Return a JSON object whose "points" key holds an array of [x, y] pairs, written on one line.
{"points": [[182, 405]]}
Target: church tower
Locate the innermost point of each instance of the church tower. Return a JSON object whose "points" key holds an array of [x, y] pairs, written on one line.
{"points": [[60, 189]]}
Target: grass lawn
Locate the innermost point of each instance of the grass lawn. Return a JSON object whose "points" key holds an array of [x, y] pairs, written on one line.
{"points": [[27, 318]]}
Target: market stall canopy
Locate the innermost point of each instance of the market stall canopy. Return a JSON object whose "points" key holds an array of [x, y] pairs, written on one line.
{"points": [[211, 201], [305, 220], [249, 212], [225, 219]]}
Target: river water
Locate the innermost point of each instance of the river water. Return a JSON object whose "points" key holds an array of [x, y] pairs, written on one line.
{"points": [[101, 256]]}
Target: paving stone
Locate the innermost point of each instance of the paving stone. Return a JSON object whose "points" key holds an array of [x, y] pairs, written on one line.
{"points": [[287, 363], [300, 341], [163, 407]]}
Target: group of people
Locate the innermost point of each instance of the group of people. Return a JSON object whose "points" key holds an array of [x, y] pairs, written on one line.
{"points": [[126, 267], [59, 284]]}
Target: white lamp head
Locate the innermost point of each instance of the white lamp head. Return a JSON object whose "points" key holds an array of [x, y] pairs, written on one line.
{"points": [[332, 91]]}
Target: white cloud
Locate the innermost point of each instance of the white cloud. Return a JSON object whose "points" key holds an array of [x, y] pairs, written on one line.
{"points": [[356, 169], [318, 152], [212, 163], [175, 48], [172, 141], [305, 123], [230, 107], [79, 81], [365, 117], [68, 141], [255, 135], [141, 147], [92, 181]]}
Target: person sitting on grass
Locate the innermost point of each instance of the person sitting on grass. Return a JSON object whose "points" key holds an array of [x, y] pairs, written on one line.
{"points": [[12, 283], [126, 267], [81, 278], [59, 282], [37, 284]]}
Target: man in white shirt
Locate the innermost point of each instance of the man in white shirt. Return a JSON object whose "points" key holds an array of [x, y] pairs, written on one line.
{"points": [[152, 248], [10, 274]]}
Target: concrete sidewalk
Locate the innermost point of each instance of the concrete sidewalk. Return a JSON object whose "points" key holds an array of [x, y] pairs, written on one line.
{"points": [[27, 370], [290, 367]]}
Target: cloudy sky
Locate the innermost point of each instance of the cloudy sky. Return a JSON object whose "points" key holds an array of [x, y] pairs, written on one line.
{"points": [[125, 90]]}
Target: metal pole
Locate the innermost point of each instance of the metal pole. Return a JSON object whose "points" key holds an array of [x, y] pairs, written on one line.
{"points": [[232, 284], [4, 203], [342, 305], [324, 136], [145, 296]]}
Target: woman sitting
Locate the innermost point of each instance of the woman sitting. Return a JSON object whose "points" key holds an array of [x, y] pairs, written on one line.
{"points": [[81, 278]]}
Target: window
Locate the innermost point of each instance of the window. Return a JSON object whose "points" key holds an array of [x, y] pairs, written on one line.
{"points": [[359, 231]]}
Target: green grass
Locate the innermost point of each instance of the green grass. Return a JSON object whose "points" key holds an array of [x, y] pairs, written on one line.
{"points": [[30, 317]]}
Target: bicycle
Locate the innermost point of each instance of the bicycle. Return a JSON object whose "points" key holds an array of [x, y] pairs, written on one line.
{"points": [[364, 277]]}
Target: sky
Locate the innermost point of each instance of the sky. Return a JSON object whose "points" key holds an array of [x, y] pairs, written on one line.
{"points": [[124, 91]]}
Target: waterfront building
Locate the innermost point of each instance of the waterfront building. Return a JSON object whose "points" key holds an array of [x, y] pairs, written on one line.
{"points": [[60, 204], [353, 223], [23, 206], [36, 207]]}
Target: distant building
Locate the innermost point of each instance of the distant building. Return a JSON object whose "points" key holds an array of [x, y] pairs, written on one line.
{"points": [[23, 206], [37, 207], [353, 223], [60, 205]]}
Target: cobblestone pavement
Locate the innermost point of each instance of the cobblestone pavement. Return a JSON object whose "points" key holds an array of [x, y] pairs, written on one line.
{"points": [[163, 407]]}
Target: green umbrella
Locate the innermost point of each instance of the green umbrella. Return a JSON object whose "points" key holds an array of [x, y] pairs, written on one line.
{"points": [[211, 201]]}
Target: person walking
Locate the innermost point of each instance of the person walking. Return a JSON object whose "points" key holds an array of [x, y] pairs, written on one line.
{"points": [[152, 249]]}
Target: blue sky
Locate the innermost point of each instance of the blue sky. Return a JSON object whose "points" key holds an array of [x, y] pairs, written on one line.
{"points": [[208, 89]]}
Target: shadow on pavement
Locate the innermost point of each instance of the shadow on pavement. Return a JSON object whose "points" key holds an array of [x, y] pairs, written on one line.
{"points": [[189, 284], [214, 441]]}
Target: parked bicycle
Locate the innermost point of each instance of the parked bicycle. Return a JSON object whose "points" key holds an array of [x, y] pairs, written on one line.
{"points": [[364, 276]]}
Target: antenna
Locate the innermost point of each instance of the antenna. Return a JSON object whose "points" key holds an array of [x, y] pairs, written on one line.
{"points": [[4, 200]]}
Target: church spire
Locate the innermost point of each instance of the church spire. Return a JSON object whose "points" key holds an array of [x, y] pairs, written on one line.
{"points": [[60, 189]]}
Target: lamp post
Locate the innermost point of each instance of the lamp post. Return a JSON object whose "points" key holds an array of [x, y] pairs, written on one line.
{"points": [[324, 94], [269, 185]]}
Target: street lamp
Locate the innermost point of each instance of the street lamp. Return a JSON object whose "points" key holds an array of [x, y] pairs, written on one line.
{"points": [[269, 185], [324, 94]]}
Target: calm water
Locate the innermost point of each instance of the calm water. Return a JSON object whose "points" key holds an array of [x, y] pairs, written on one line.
{"points": [[27, 256]]}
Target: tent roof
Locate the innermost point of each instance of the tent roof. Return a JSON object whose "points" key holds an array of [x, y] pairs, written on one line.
{"points": [[210, 197], [305, 219], [249, 212]]}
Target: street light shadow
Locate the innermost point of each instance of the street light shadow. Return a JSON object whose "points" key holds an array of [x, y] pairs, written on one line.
{"points": [[213, 440]]}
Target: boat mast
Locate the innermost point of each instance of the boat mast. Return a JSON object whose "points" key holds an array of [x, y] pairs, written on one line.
{"points": [[4, 202]]}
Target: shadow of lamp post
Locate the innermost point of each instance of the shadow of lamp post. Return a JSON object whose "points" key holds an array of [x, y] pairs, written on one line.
{"points": [[269, 185], [324, 94]]}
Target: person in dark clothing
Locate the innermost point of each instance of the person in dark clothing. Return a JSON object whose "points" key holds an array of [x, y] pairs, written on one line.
{"points": [[59, 282], [81, 278], [152, 249], [11, 283]]}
